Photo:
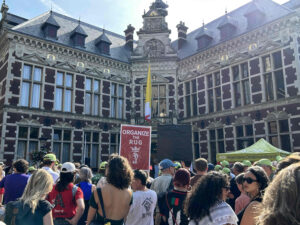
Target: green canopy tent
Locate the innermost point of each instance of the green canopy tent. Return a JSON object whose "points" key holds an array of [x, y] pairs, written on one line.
{"points": [[255, 152]]}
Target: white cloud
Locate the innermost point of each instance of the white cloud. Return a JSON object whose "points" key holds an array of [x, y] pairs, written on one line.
{"points": [[50, 4]]}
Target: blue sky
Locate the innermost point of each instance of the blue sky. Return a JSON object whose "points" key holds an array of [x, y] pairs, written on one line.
{"points": [[115, 15]]}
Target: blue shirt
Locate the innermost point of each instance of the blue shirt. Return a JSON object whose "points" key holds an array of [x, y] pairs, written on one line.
{"points": [[14, 186], [86, 188]]}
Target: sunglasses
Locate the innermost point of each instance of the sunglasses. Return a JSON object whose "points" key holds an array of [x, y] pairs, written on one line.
{"points": [[226, 188], [249, 180]]}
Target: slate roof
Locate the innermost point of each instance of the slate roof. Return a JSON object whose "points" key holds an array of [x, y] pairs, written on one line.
{"points": [[79, 30], [103, 38], [51, 21], [67, 25], [14, 19], [272, 11]]}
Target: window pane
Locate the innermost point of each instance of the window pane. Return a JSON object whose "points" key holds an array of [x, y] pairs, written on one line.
{"points": [[96, 105], [273, 127], [23, 132], [58, 99], [87, 103], [209, 81], [33, 147], [246, 90], [21, 149], [67, 103], [249, 130], [197, 153], [188, 105], [37, 74], [274, 141], [95, 137], [217, 79], [285, 142], [162, 108], [196, 137], [59, 78], [221, 146], [27, 72], [87, 136], [113, 107], [162, 91], [121, 91], [96, 86], [67, 135], [266, 63], [69, 80], [212, 135], [120, 108], [220, 133], [56, 150], [237, 94], [194, 104], [284, 126], [113, 90], [277, 60], [244, 68], [187, 88], [239, 131], [25, 94], [155, 91], [57, 135], [113, 138], [66, 153], [35, 98], [154, 106], [88, 83], [211, 101], [218, 99], [94, 158], [235, 73], [269, 87], [194, 86], [34, 133], [280, 89]]}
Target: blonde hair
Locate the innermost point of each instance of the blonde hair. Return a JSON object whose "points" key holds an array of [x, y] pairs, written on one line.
{"points": [[39, 185], [281, 202]]}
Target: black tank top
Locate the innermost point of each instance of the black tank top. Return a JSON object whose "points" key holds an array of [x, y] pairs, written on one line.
{"points": [[241, 213]]}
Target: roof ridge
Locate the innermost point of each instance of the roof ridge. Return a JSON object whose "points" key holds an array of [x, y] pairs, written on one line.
{"points": [[30, 20]]}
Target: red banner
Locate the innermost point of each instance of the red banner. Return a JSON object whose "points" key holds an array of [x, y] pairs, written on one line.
{"points": [[135, 145]]}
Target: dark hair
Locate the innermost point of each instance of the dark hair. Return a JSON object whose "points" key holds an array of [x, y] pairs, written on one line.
{"points": [[291, 159], [47, 162], [119, 172], [261, 176], [201, 164], [187, 163], [21, 165], [239, 178], [206, 194], [141, 175], [239, 167], [64, 180]]}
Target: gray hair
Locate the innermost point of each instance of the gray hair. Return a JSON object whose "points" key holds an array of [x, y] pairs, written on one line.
{"points": [[85, 174]]}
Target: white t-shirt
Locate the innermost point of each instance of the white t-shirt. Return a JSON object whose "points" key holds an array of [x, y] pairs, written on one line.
{"points": [[54, 175], [142, 208]]}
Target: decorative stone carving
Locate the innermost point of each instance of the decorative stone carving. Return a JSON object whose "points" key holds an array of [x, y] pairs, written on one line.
{"points": [[19, 50], [277, 116], [29, 122], [214, 125], [154, 48], [155, 79], [66, 66], [80, 67], [51, 60], [35, 58], [243, 120]]}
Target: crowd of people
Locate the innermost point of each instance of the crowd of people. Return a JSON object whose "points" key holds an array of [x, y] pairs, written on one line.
{"points": [[182, 193]]}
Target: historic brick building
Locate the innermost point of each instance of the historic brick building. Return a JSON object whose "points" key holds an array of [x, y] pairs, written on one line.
{"points": [[67, 85]]}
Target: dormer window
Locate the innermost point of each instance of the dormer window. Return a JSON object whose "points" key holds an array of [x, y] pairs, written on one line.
{"points": [[255, 15], [227, 27], [204, 38], [50, 27], [103, 44], [78, 36]]}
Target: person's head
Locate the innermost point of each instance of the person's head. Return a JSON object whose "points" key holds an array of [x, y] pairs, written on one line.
{"points": [[178, 165], [37, 188], [77, 165], [49, 160], [139, 180], [281, 201], [186, 163], [20, 166], [210, 167], [85, 174], [266, 164], [291, 159], [237, 168], [182, 179], [225, 163], [31, 169], [119, 172], [66, 176], [246, 164], [210, 189], [226, 171], [218, 167], [102, 167], [167, 167], [255, 181], [201, 165], [239, 181]]}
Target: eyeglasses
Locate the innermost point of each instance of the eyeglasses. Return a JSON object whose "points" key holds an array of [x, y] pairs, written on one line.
{"points": [[249, 180], [226, 188]]}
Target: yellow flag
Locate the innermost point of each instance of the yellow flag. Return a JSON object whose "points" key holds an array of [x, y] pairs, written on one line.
{"points": [[148, 97]]}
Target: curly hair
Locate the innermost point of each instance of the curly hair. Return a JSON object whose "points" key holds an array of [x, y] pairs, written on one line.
{"points": [[207, 193], [21, 165], [291, 159], [281, 202], [119, 172]]}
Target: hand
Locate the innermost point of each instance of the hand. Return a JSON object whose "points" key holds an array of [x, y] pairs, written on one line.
{"points": [[72, 221]]}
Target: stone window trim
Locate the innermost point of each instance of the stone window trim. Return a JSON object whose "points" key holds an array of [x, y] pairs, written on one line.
{"points": [[216, 139], [94, 94], [64, 87], [117, 100], [191, 98], [213, 86], [62, 142], [90, 141], [114, 142]]}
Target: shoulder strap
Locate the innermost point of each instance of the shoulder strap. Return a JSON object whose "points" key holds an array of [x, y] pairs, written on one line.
{"points": [[74, 191], [170, 210], [99, 192], [171, 186]]}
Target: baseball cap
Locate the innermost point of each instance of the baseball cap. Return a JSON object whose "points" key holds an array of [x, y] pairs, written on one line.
{"points": [[226, 171], [264, 162], [210, 167], [178, 165], [103, 165], [182, 176], [279, 158], [68, 167], [51, 157], [218, 167], [166, 163], [225, 163], [31, 168], [247, 163]]}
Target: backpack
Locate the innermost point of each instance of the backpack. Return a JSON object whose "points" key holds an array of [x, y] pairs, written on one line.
{"points": [[60, 199], [11, 211]]}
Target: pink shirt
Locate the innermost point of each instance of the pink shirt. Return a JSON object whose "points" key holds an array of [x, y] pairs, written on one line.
{"points": [[241, 202]]}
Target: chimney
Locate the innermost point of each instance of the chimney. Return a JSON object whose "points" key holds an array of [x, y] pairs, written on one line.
{"points": [[182, 29], [129, 37]]}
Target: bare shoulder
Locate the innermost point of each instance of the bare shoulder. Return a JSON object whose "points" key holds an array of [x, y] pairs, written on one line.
{"points": [[251, 212]]}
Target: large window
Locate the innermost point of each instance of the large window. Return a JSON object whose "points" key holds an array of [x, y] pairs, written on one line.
{"points": [[273, 76], [191, 104], [31, 86], [196, 145], [159, 100], [63, 92], [62, 140], [279, 134], [241, 84], [216, 143], [91, 148], [114, 143], [28, 142], [92, 97], [213, 83], [117, 101], [244, 136]]}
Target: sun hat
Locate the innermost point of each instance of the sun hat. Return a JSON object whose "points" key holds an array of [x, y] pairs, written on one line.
{"points": [[218, 167], [182, 176], [264, 162], [103, 165], [166, 163], [226, 170], [224, 163], [50, 157], [68, 167], [31, 168], [247, 163]]}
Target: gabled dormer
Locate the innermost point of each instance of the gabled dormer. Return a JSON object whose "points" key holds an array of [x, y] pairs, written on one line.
{"points": [[78, 36], [204, 38], [254, 14], [227, 27], [103, 44], [50, 27]]}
